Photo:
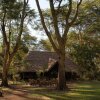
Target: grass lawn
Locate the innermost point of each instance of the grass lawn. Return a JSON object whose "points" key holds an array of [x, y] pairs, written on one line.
{"points": [[78, 91]]}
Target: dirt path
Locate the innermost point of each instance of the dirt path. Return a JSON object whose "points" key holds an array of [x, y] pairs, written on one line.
{"points": [[20, 93], [14, 95]]}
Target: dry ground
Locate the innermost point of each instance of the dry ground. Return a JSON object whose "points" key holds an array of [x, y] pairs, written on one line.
{"points": [[20, 93]]}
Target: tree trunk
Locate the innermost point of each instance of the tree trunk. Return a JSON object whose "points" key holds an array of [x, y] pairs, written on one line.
{"points": [[6, 65], [5, 73], [4, 77], [61, 73]]}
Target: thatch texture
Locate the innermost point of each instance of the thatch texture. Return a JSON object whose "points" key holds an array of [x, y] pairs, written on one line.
{"points": [[39, 60]]}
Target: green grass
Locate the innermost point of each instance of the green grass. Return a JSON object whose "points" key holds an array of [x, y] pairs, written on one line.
{"points": [[85, 91], [78, 91]]}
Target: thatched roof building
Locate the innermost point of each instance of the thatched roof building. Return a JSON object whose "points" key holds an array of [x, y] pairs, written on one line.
{"points": [[40, 60]]}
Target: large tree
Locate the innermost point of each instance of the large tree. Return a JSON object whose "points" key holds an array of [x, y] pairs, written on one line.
{"points": [[62, 20], [13, 15]]}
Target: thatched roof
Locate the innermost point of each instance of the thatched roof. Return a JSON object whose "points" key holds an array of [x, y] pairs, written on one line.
{"points": [[29, 69], [43, 59]]}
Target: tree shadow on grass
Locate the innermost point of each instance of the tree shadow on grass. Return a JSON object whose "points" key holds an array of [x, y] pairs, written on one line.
{"points": [[81, 91]]}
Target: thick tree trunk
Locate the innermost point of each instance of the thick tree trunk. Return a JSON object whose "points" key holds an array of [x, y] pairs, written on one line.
{"points": [[4, 77], [6, 65], [5, 73], [61, 73]]}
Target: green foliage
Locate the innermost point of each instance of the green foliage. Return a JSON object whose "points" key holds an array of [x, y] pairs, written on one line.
{"points": [[45, 45], [86, 56], [11, 7], [89, 16], [11, 14], [84, 42], [29, 41], [17, 62]]}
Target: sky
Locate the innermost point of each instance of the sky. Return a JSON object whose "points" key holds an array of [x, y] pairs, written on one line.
{"points": [[44, 4]]}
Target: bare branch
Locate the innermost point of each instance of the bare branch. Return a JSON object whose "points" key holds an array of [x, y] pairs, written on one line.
{"points": [[76, 14], [69, 11], [67, 18], [59, 5], [3, 28], [44, 26], [21, 29], [55, 21]]}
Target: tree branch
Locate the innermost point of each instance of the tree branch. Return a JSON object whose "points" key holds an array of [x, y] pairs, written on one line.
{"points": [[44, 26], [21, 29], [67, 18], [76, 14], [55, 21], [3, 28], [68, 25], [59, 5], [69, 11]]}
